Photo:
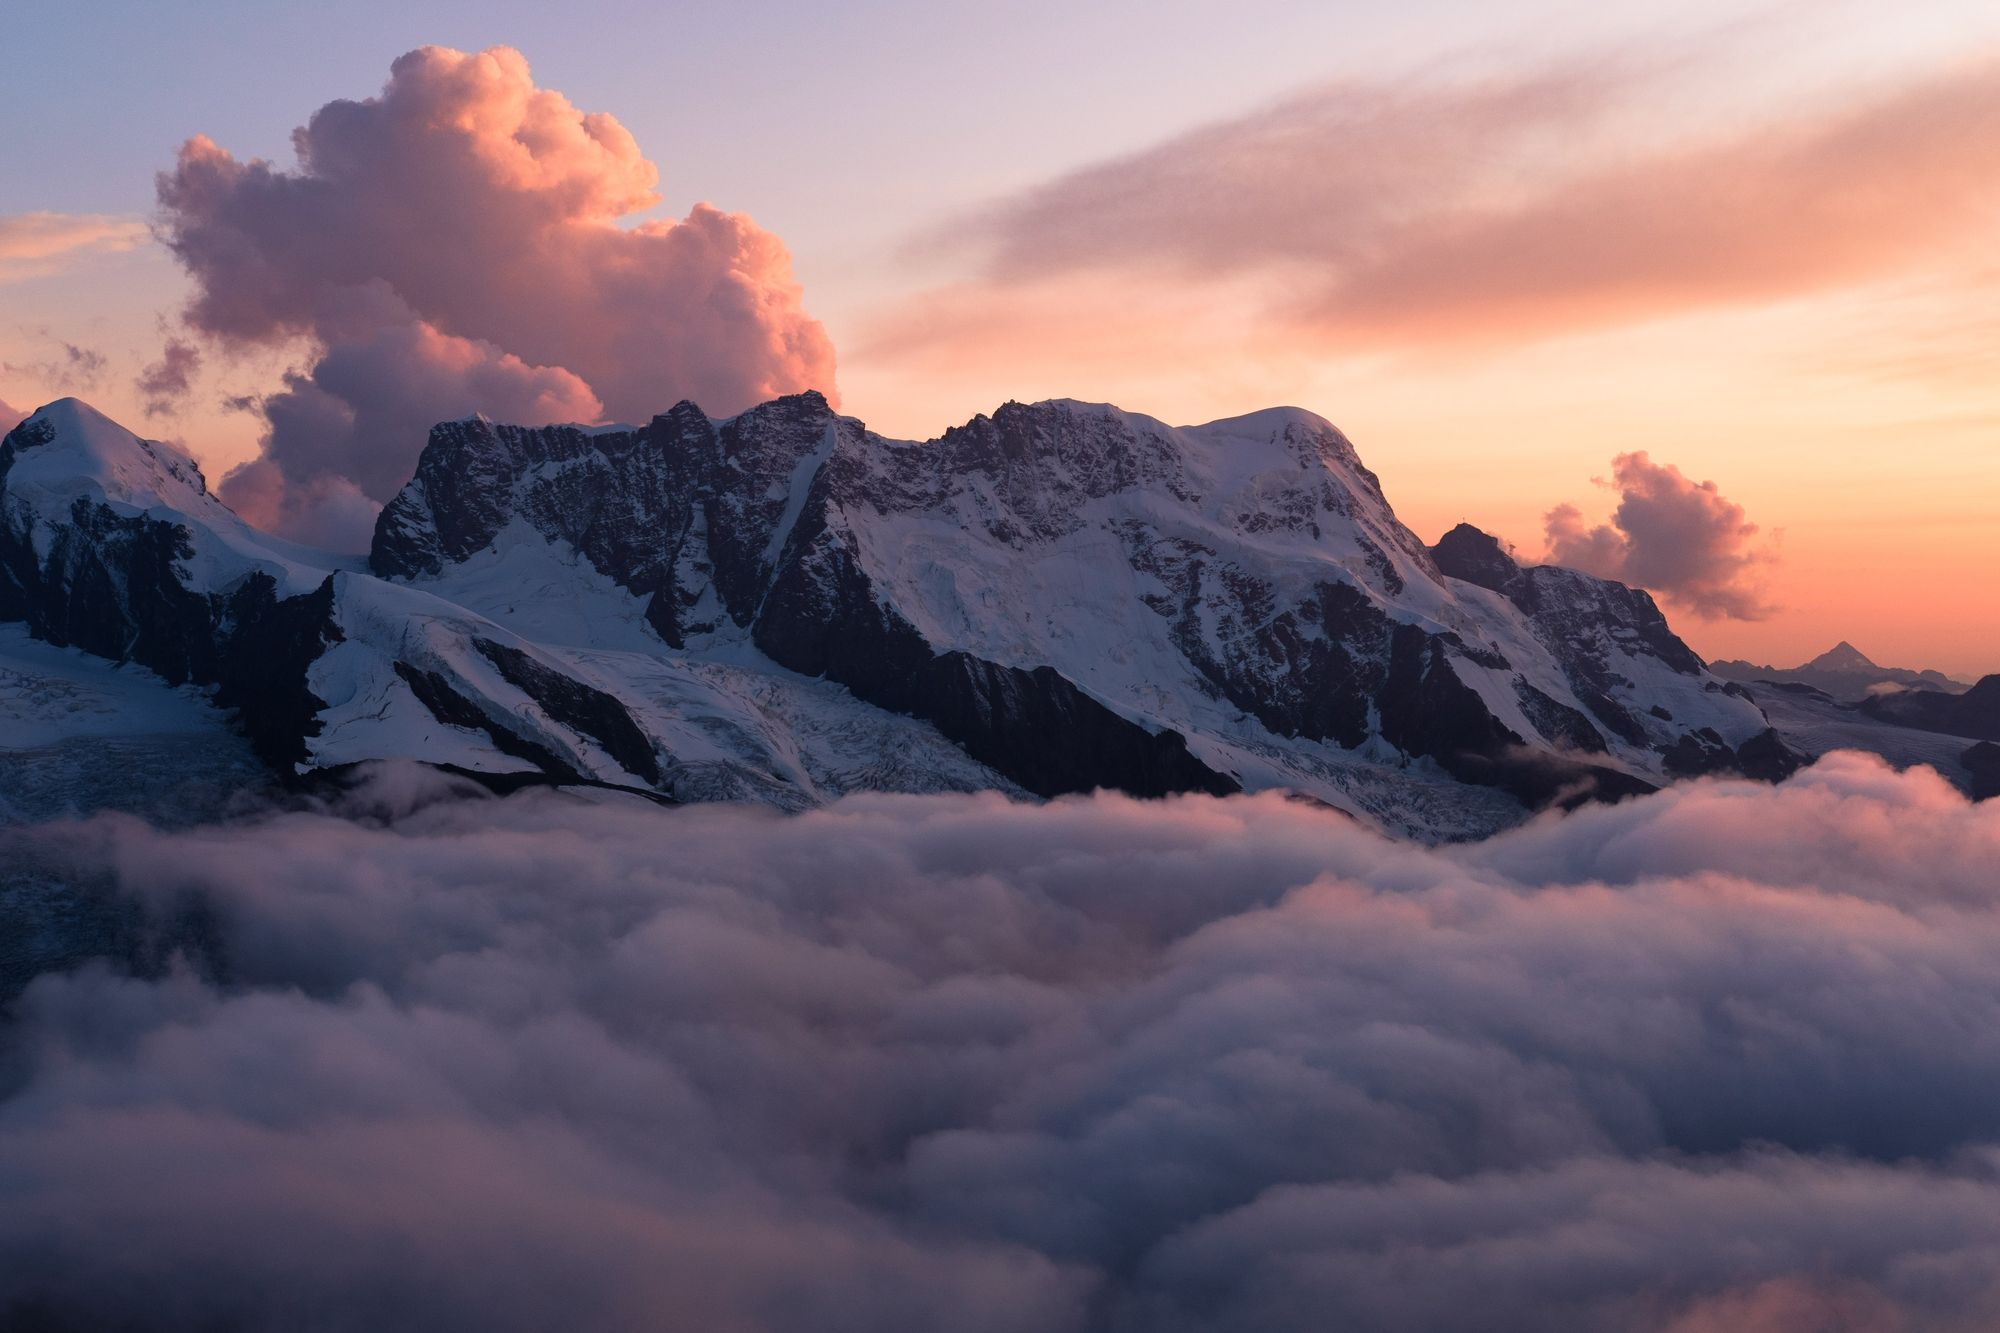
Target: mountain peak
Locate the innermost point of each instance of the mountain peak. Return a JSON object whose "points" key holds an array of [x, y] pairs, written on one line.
{"points": [[1272, 420], [67, 447], [1843, 656]]}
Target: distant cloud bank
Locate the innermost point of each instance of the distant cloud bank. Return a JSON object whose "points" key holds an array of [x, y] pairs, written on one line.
{"points": [[459, 243], [1727, 1057]]}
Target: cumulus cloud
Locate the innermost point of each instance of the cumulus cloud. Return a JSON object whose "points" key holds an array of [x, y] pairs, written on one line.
{"points": [[1435, 212], [1726, 1056], [475, 225], [1679, 538], [325, 468], [34, 245], [323, 510]]}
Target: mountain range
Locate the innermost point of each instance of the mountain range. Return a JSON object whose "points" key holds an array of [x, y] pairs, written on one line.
{"points": [[1842, 671], [783, 606]]}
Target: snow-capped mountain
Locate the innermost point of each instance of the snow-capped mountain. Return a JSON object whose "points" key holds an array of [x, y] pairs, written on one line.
{"points": [[784, 606]]}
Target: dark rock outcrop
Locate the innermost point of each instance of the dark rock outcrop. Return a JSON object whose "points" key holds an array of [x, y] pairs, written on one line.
{"points": [[1041, 731], [453, 709], [1974, 714], [1983, 762], [263, 662], [582, 708]]}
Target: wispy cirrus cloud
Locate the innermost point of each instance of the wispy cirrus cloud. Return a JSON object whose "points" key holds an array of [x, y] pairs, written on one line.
{"points": [[1436, 213], [34, 245], [69, 366]]}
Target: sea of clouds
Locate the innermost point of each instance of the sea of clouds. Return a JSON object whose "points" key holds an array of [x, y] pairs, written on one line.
{"points": [[1727, 1057]]}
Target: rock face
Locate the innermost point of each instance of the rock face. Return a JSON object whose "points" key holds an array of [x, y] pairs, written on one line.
{"points": [[1592, 627], [783, 605], [1982, 761]]}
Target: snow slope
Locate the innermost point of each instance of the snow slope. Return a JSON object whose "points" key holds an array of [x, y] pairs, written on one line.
{"points": [[79, 733]]}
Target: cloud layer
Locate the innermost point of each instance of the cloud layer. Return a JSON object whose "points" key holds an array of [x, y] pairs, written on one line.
{"points": [[1725, 1057], [1679, 538], [459, 243]]}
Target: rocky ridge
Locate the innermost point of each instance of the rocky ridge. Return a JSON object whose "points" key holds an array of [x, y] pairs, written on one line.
{"points": [[784, 606]]}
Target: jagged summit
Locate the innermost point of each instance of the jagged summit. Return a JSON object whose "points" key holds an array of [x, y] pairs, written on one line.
{"points": [[1843, 656], [1242, 584], [783, 605]]}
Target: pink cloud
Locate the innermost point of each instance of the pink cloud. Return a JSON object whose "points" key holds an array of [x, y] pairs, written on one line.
{"points": [[325, 471], [468, 208], [323, 510], [1431, 213], [1794, 1305], [1679, 538], [1783, 209], [34, 245]]}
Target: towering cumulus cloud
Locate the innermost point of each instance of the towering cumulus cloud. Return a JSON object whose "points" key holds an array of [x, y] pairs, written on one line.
{"points": [[1677, 537], [455, 245], [1725, 1057]]}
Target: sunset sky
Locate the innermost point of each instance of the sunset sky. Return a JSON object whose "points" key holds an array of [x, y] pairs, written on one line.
{"points": [[1500, 246]]}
